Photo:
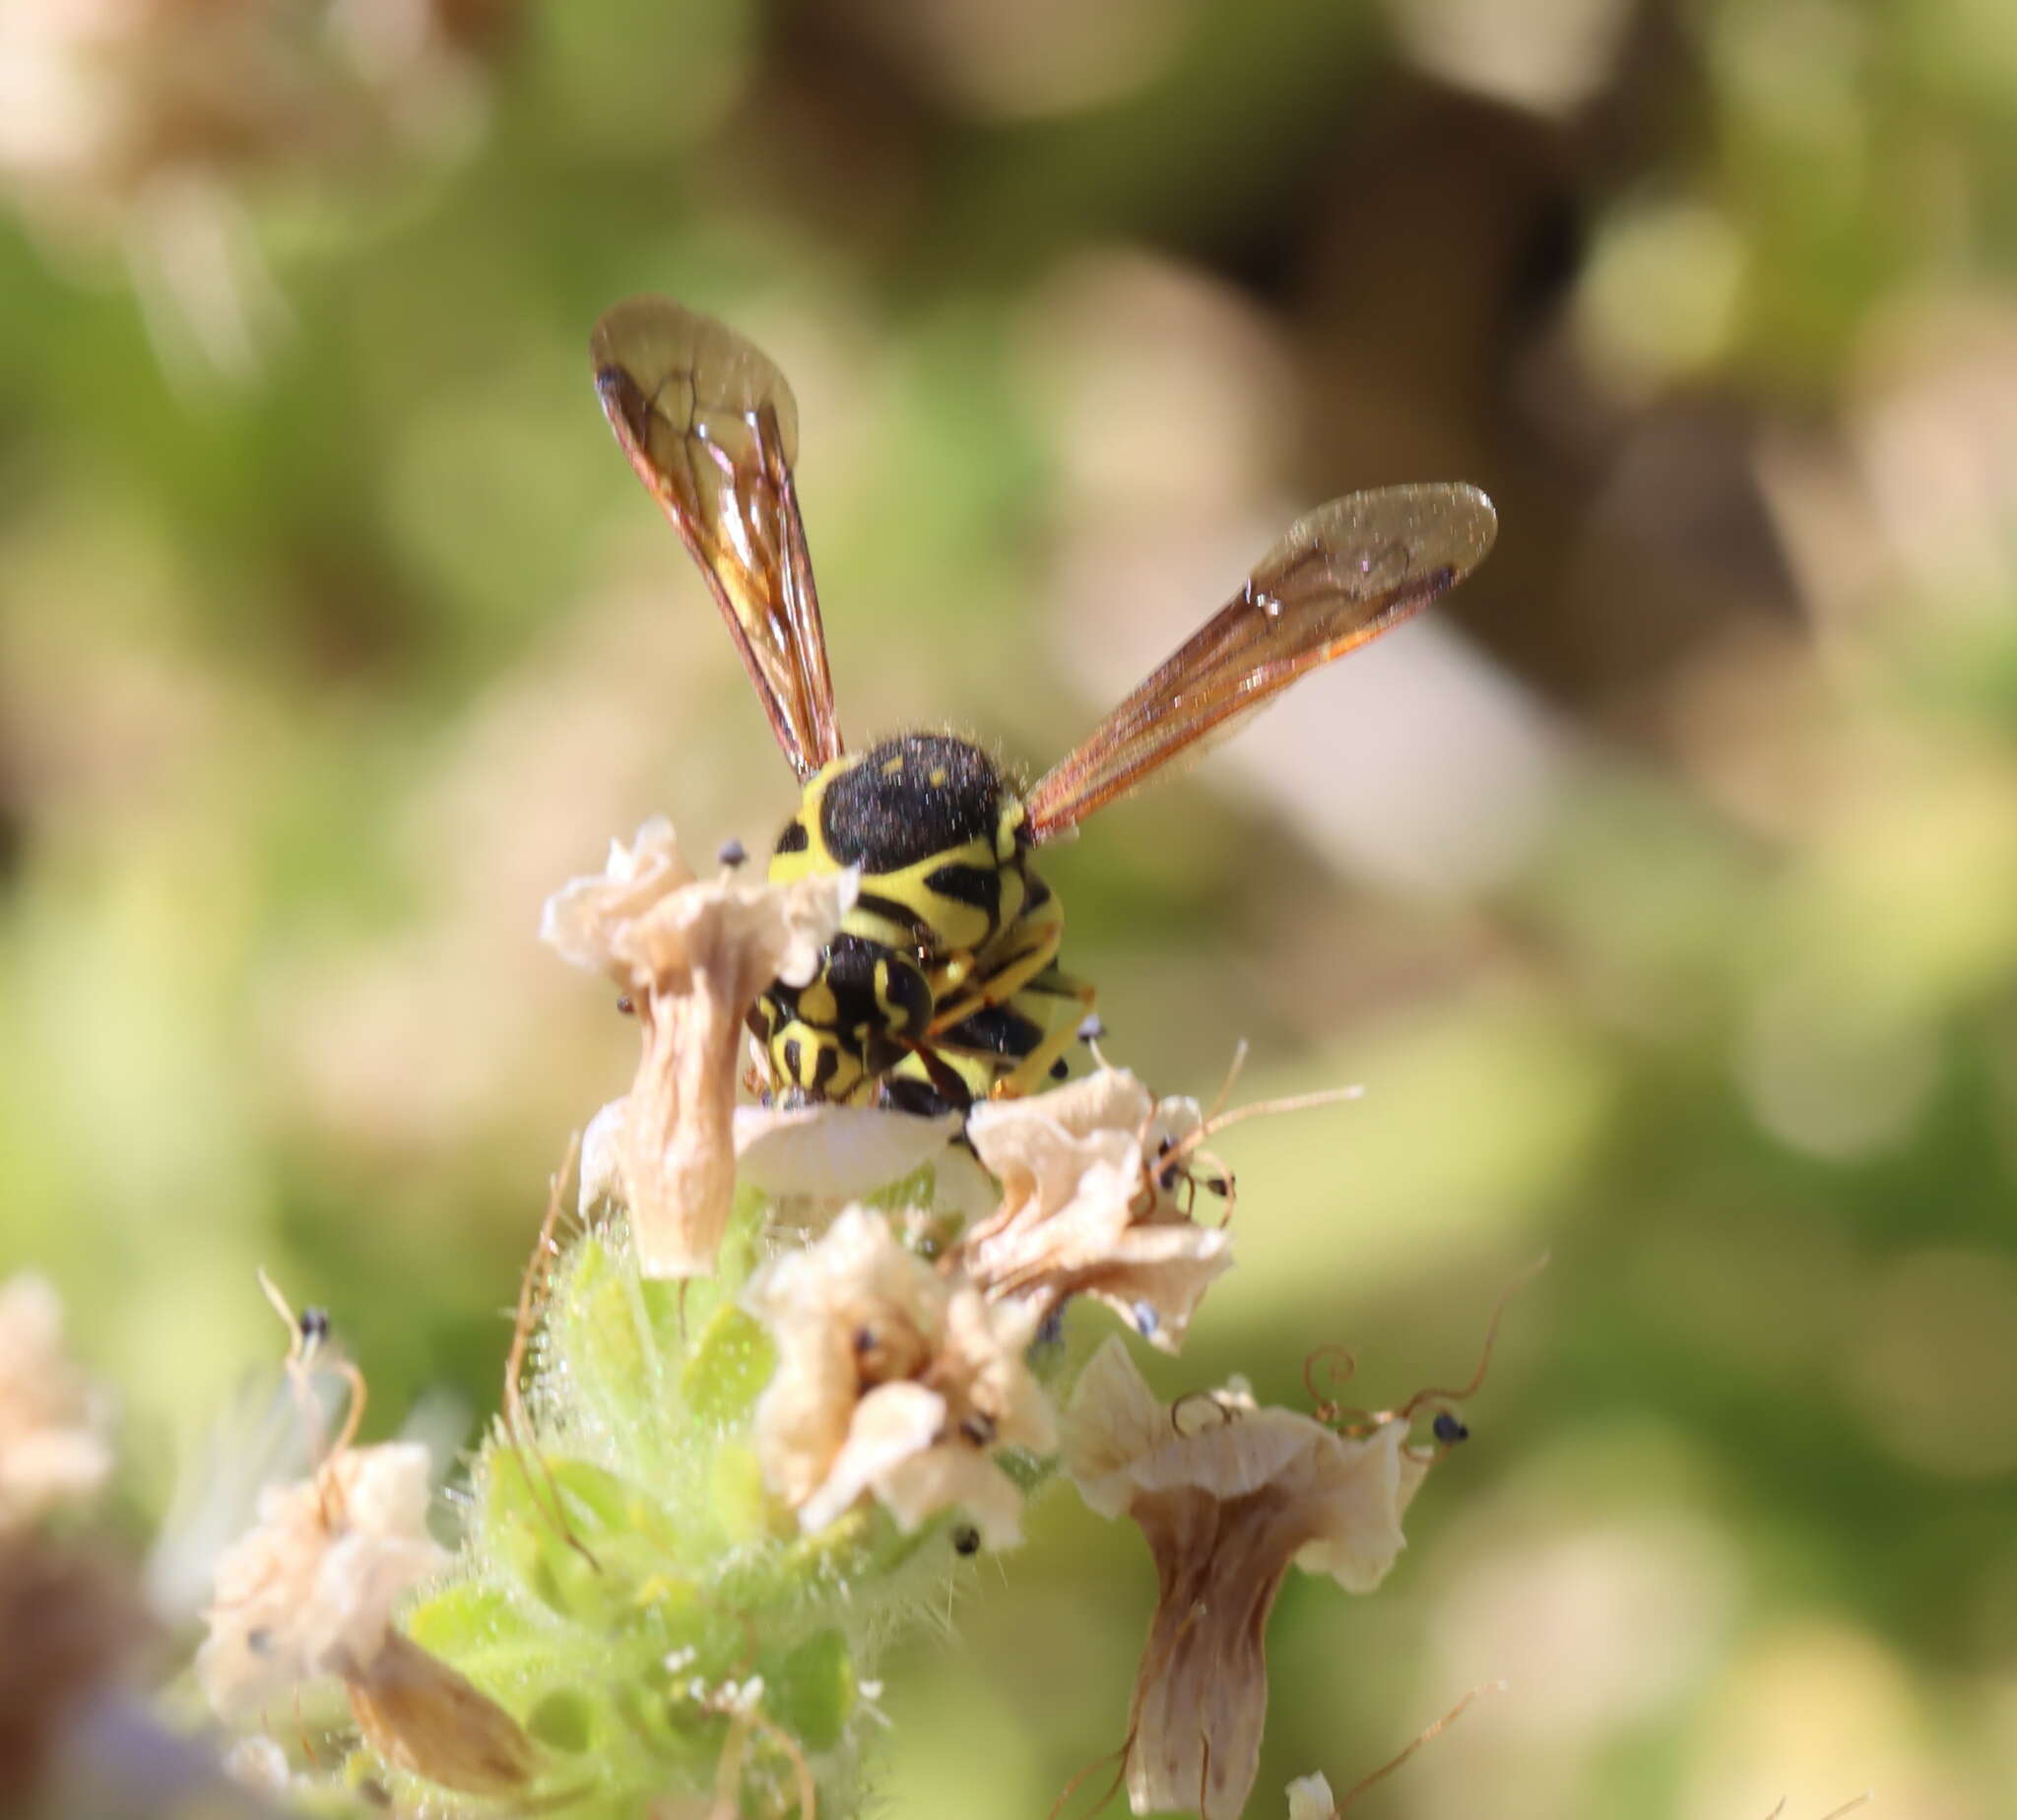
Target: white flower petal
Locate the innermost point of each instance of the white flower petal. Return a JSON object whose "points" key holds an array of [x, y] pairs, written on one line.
{"points": [[1310, 1798], [602, 1161], [835, 1152], [1112, 1420], [891, 1423]]}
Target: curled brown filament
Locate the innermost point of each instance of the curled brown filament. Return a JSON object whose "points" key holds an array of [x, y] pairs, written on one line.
{"points": [[1421, 1738], [1343, 1365], [1439, 1393], [532, 1296], [1227, 1414]]}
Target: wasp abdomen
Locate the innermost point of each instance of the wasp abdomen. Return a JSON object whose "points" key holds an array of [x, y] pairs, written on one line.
{"points": [[853, 1020]]}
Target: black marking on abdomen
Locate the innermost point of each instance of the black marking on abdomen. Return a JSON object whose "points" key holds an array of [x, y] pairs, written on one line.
{"points": [[795, 838], [920, 1098], [977, 885], [994, 1031], [849, 973]]}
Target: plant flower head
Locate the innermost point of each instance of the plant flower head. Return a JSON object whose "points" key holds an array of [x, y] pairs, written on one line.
{"points": [[690, 956], [1228, 1495], [892, 1378], [1087, 1207], [310, 1589]]}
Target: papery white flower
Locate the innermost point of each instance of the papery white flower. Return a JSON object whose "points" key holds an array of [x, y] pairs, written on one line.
{"points": [[52, 1445], [1228, 1496], [1310, 1798], [835, 1152], [691, 956], [1086, 1208], [310, 1589], [892, 1379]]}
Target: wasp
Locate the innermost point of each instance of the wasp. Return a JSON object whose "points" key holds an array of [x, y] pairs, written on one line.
{"points": [[943, 985]]}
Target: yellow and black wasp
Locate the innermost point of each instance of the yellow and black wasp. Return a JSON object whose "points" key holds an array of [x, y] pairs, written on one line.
{"points": [[943, 985]]}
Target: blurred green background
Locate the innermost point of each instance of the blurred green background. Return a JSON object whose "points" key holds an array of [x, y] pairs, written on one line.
{"points": [[1661, 887]]}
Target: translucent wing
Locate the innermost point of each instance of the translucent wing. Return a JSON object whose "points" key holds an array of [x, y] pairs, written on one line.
{"points": [[1341, 576], [711, 427]]}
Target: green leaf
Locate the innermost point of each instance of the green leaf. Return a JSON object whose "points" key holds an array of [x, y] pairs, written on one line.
{"points": [[730, 1363], [810, 1692]]}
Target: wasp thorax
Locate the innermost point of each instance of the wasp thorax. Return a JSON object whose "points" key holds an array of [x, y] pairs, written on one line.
{"points": [[910, 798]]}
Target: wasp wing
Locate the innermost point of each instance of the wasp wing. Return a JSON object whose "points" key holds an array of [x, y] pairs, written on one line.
{"points": [[712, 430], [1341, 576]]}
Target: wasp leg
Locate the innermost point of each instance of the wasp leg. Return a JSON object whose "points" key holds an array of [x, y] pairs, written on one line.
{"points": [[1021, 1042], [1052, 983], [942, 1090], [1028, 947]]}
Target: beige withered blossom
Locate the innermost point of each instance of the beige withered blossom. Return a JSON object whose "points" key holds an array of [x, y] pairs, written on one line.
{"points": [[1310, 1798], [690, 956], [53, 1448], [1228, 1496], [1086, 1208], [310, 1589], [892, 1379]]}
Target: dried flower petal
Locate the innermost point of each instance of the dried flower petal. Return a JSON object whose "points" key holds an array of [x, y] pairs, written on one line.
{"points": [[52, 1446], [892, 1379], [422, 1716], [1310, 1798], [1226, 1499], [691, 956], [310, 1588], [1083, 1210]]}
